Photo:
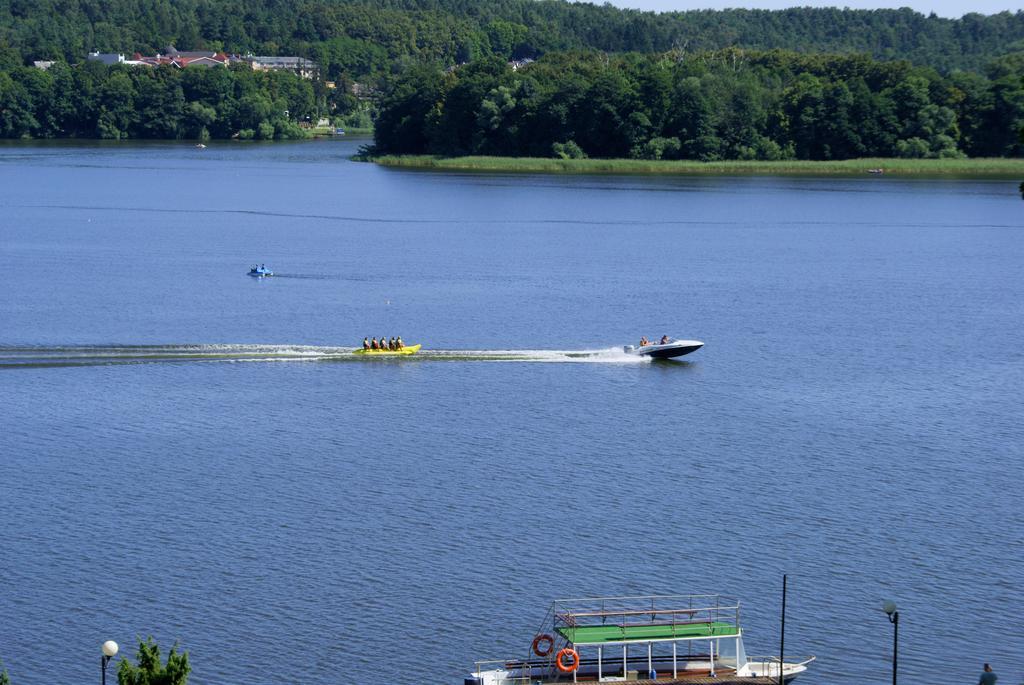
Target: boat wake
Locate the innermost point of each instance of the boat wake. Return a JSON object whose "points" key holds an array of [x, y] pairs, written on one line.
{"points": [[101, 355]]}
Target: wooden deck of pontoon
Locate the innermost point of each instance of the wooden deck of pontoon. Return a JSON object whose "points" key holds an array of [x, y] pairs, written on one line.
{"points": [[721, 677]]}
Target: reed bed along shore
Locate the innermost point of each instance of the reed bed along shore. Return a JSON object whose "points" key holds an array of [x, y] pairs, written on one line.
{"points": [[973, 168]]}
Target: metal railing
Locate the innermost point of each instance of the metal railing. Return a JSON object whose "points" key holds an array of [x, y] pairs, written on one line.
{"points": [[658, 609], [775, 666], [494, 664]]}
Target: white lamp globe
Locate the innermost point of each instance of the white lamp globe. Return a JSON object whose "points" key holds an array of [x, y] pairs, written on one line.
{"points": [[889, 607], [109, 648]]}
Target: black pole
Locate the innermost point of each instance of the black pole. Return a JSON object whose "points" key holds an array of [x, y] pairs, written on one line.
{"points": [[782, 630], [103, 668], [895, 618]]}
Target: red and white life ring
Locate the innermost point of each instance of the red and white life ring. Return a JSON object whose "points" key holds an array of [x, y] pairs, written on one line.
{"points": [[549, 644], [572, 665]]}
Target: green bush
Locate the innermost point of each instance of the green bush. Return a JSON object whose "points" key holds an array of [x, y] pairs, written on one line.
{"points": [[912, 148], [569, 150], [658, 148], [150, 670], [265, 130], [289, 130]]}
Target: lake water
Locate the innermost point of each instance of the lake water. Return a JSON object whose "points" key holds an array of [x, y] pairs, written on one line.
{"points": [[190, 453]]}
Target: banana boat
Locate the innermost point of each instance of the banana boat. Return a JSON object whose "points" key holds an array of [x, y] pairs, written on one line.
{"points": [[408, 349]]}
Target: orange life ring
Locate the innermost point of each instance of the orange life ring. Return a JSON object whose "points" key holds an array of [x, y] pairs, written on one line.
{"points": [[567, 652], [543, 637]]}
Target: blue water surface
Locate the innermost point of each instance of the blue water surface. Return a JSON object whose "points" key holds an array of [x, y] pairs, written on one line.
{"points": [[190, 453]]}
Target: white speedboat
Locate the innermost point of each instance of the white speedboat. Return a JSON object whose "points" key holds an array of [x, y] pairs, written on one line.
{"points": [[668, 350]]}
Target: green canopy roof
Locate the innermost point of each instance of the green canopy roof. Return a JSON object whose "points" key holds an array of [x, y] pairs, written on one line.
{"points": [[582, 635]]}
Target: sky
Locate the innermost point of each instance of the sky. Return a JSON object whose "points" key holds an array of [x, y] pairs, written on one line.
{"points": [[943, 8]]}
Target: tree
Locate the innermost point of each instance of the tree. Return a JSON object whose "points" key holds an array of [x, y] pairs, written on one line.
{"points": [[913, 148], [457, 127], [1006, 119], [693, 119], [505, 36], [6, 679], [407, 108], [160, 104], [117, 108], [16, 118], [199, 117], [38, 85], [150, 670], [253, 110], [496, 134]]}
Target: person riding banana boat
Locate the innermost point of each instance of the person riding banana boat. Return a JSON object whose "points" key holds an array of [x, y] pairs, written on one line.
{"points": [[386, 345]]}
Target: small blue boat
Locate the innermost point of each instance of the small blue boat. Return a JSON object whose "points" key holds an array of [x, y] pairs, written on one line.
{"points": [[260, 271]]}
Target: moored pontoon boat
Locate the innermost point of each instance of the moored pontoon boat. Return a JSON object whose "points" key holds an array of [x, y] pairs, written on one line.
{"points": [[656, 639]]}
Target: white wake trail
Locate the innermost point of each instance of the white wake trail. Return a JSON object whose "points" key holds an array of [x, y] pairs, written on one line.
{"points": [[93, 355]]}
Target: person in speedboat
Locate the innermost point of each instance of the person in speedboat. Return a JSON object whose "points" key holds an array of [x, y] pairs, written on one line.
{"points": [[665, 340], [644, 342]]}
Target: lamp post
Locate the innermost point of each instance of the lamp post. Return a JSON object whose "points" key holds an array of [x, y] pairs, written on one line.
{"points": [[109, 650], [889, 607]]}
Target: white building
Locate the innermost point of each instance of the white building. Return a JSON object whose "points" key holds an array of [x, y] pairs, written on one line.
{"points": [[107, 58], [300, 65]]}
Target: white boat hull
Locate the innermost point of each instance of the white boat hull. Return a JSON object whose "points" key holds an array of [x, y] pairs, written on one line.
{"points": [[669, 350]]}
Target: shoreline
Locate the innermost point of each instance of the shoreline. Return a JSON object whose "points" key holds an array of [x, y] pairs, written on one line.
{"points": [[989, 168]]}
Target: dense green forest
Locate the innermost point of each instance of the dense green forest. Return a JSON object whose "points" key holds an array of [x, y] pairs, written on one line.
{"points": [[802, 83], [361, 38], [95, 101], [729, 104]]}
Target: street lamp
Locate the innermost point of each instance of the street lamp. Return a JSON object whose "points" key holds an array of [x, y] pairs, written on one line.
{"points": [[109, 650], [889, 607]]}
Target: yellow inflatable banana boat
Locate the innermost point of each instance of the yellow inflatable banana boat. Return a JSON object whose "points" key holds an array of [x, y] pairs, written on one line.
{"points": [[408, 349]]}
